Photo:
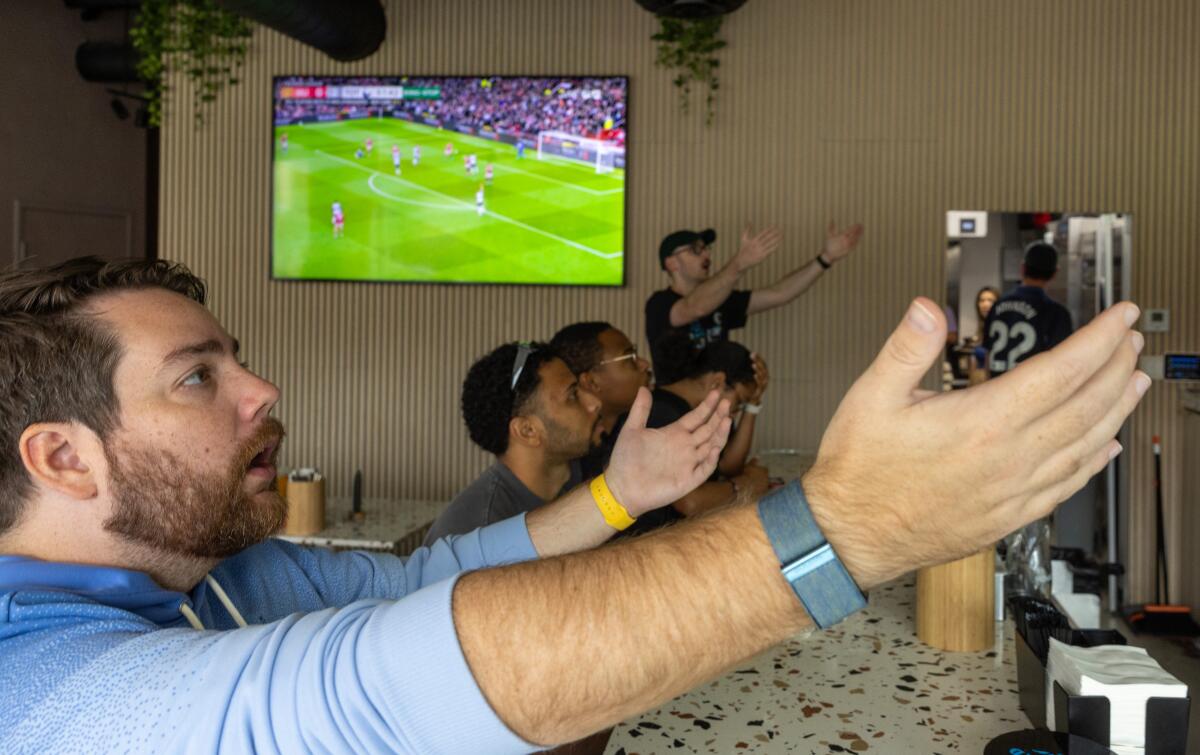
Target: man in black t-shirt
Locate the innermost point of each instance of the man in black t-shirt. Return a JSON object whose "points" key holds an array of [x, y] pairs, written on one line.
{"points": [[729, 369], [1026, 321], [707, 306]]}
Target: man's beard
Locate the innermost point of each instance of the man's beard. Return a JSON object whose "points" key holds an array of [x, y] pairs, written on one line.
{"points": [[565, 445], [161, 502]]}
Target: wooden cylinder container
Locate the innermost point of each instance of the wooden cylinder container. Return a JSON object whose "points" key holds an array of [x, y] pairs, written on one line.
{"points": [[306, 507], [956, 603]]}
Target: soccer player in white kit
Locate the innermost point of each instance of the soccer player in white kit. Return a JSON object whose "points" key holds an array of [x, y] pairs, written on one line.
{"points": [[339, 220], [396, 158], [474, 164], [416, 154], [479, 201], [283, 142]]}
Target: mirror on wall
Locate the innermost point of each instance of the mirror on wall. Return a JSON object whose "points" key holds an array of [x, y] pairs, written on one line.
{"points": [[986, 255]]}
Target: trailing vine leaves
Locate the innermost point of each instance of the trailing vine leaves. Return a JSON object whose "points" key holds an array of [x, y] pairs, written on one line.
{"points": [[197, 37], [689, 47]]}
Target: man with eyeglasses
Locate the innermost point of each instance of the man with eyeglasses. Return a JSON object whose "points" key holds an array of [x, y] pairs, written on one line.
{"points": [[607, 364], [522, 403], [707, 306], [609, 367]]}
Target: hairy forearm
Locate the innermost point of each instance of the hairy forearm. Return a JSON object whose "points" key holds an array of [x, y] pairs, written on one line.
{"points": [[733, 457], [786, 288], [590, 639], [705, 498], [569, 524], [706, 297]]}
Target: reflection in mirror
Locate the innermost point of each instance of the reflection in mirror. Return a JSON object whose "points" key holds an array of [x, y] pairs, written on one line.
{"points": [[1017, 284], [985, 262]]}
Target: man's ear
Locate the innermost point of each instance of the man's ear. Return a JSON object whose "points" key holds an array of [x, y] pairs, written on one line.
{"points": [[55, 455], [526, 430], [587, 381], [716, 381]]}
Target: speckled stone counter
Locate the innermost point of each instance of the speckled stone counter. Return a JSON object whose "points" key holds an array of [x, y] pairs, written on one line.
{"points": [[867, 686]]}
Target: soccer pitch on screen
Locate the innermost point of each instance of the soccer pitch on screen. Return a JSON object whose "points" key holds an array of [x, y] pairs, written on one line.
{"points": [[554, 221]]}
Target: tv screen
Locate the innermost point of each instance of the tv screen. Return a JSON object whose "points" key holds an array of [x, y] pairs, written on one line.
{"points": [[449, 179]]}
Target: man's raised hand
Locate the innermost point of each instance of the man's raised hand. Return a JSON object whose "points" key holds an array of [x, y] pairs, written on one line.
{"points": [[653, 467], [907, 478], [756, 247], [840, 243]]}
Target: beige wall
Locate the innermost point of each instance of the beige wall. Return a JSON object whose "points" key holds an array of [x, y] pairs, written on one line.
{"points": [[891, 113], [61, 148]]}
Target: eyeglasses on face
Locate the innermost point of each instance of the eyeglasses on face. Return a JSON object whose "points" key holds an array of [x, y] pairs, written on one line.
{"points": [[697, 248], [631, 355]]}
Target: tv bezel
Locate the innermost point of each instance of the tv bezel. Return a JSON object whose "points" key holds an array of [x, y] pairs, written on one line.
{"points": [[383, 281]]}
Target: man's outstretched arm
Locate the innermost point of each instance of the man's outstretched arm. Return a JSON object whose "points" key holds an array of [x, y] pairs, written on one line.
{"points": [[837, 245], [566, 646], [712, 293]]}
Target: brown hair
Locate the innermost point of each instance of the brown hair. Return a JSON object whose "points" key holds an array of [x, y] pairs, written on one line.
{"points": [[56, 361]]}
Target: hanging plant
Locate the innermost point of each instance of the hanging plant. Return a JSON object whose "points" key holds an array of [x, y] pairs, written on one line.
{"points": [[197, 37], [689, 47]]}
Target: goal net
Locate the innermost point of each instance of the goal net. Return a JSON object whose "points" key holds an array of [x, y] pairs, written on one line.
{"points": [[605, 156]]}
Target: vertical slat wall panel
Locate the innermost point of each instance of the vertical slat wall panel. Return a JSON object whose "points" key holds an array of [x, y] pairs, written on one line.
{"points": [[891, 113]]}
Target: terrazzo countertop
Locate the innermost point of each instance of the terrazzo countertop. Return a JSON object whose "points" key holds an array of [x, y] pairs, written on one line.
{"points": [[867, 686]]}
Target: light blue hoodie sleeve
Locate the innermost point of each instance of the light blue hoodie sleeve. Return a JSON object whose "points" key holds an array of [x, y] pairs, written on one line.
{"points": [[374, 676], [345, 653], [275, 579]]}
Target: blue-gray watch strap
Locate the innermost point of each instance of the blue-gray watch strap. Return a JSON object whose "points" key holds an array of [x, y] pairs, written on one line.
{"points": [[808, 562]]}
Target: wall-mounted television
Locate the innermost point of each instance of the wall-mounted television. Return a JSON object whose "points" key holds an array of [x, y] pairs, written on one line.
{"points": [[469, 179]]}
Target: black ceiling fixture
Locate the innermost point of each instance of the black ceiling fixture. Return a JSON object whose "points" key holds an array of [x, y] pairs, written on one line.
{"points": [[90, 10], [113, 62], [691, 8], [345, 30], [110, 62], [121, 110]]}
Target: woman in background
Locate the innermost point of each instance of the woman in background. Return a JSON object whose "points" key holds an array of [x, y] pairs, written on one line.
{"points": [[984, 301]]}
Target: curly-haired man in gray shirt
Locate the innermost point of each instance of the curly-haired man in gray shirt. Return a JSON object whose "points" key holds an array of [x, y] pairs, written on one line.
{"points": [[522, 403]]}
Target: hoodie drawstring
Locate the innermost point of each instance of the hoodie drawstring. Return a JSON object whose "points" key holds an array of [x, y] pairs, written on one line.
{"points": [[194, 620], [191, 616]]}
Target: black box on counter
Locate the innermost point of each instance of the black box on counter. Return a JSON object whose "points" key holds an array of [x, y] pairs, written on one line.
{"points": [[1090, 717]]}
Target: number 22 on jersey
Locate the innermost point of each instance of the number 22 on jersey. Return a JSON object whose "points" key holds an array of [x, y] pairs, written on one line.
{"points": [[1011, 344]]}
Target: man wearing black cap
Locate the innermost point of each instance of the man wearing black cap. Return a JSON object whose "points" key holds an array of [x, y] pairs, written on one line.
{"points": [[707, 306], [1026, 321]]}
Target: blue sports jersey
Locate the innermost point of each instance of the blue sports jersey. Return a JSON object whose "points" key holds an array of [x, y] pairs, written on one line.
{"points": [[1021, 324]]}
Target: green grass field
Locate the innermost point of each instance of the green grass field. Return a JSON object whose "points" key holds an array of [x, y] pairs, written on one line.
{"points": [[551, 221]]}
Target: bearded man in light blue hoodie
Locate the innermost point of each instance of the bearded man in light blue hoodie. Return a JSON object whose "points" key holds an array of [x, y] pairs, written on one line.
{"points": [[143, 607]]}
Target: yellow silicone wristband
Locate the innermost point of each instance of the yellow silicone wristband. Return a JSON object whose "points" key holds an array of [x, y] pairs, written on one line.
{"points": [[613, 512]]}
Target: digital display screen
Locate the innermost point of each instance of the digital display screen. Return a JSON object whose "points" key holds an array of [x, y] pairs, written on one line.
{"points": [[1181, 366], [449, 179]]}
